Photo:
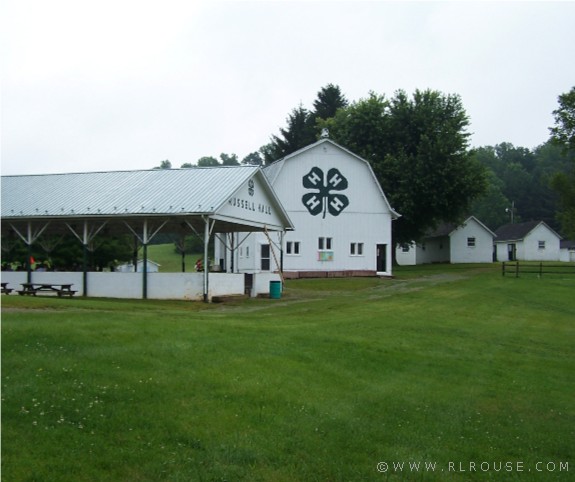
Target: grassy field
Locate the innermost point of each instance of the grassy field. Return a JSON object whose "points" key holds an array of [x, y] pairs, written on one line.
{"points": [[169, 260], [447, 365]]}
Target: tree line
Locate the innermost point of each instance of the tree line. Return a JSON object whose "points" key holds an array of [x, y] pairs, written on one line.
{"points": [[418, 146]]}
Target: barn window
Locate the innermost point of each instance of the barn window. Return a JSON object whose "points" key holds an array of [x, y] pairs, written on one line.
{"points": [[471, 242], [324, 243], [265, 257], [541, 244], [292, 247], [356, 249]]}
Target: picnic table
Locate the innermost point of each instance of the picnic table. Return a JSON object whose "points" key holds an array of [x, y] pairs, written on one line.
{"points": [[34, 288], [5, 289]]}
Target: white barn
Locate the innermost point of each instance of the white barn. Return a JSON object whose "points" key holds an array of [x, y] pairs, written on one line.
{"points": [[529, 241], [341, 216], [468, 242]]}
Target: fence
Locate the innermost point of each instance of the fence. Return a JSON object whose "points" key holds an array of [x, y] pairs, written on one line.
{"points": [[515, 268]]}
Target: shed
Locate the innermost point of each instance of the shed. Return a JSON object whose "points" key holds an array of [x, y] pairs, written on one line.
{"points": [[528, 241], [567, 251], [468, 242]]}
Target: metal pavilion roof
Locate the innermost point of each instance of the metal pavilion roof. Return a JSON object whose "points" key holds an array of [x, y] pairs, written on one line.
{"points": [[160, 191]]}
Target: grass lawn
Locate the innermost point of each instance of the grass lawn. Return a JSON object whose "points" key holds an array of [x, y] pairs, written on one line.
{"points": [[169, 260], [449, 365]]}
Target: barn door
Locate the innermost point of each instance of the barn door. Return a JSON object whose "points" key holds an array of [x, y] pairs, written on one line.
{"points": [[511, 252], [381, 260]]}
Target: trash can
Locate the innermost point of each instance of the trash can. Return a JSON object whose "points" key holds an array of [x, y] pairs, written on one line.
{"points": [[275, 290]]}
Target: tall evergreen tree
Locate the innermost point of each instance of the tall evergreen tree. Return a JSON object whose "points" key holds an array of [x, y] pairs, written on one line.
{"points": [[301, 127], [329, 100], [299, 133]]}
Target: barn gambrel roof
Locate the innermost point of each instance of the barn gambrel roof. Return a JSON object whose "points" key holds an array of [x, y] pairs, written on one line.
{"points": [[273, 170]]}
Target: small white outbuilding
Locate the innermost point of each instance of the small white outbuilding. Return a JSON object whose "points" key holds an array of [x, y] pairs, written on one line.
{"points": [[468, 242], [529, 241]]}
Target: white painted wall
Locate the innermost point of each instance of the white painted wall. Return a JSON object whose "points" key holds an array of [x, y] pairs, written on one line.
{"points": [[528, 248], [366, 220], [567, 255], [406, 258], [532, 252], [482, 252], [178, 286]]}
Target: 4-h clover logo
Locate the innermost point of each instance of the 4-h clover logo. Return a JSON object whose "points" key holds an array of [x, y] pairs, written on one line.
{"points": [[323, 199]]}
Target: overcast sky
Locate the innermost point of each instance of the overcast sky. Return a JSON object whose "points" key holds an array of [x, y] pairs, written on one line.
{"points": [[124, 84]]}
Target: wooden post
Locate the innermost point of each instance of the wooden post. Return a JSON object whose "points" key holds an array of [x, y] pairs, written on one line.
{"points": [[517, 269]]}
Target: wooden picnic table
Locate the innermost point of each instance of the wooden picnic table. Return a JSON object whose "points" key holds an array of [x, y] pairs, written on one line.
{"points": [[62, 289], [5, 289]]}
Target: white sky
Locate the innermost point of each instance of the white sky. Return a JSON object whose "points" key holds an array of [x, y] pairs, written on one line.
{"points": [[125, 84]]}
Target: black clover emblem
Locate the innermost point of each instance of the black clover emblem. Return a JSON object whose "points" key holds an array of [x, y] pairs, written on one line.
{"points": [[323, 199]]}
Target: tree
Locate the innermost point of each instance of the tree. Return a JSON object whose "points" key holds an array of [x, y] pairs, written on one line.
{"points": [[186, 165], [418, 148], [208, 161], [267, 151], [564, 130], [253, 159], [164, 165], [564, 182], [229, 160], [329, 100], [490, 208], [302, 127], [299, 133]]}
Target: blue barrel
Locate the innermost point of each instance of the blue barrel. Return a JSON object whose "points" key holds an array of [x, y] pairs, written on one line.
{"points": [[275, 290]]}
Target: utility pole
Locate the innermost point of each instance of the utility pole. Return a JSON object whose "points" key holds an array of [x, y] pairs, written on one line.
{"points": [[511, 210]]}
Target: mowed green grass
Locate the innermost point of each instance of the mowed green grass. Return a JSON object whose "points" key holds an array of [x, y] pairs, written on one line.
{"points": [[448, 365]]}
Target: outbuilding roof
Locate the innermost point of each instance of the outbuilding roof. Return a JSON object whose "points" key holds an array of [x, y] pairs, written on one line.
{"points": [[518, 231], [446, 229]]}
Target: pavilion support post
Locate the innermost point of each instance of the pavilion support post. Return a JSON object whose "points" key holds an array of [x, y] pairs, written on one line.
{"points": [[85, 241], [145, 260], [148, 232], [206, 259], [29, 237], [29, 260], [85, 237], [232, 252]]}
